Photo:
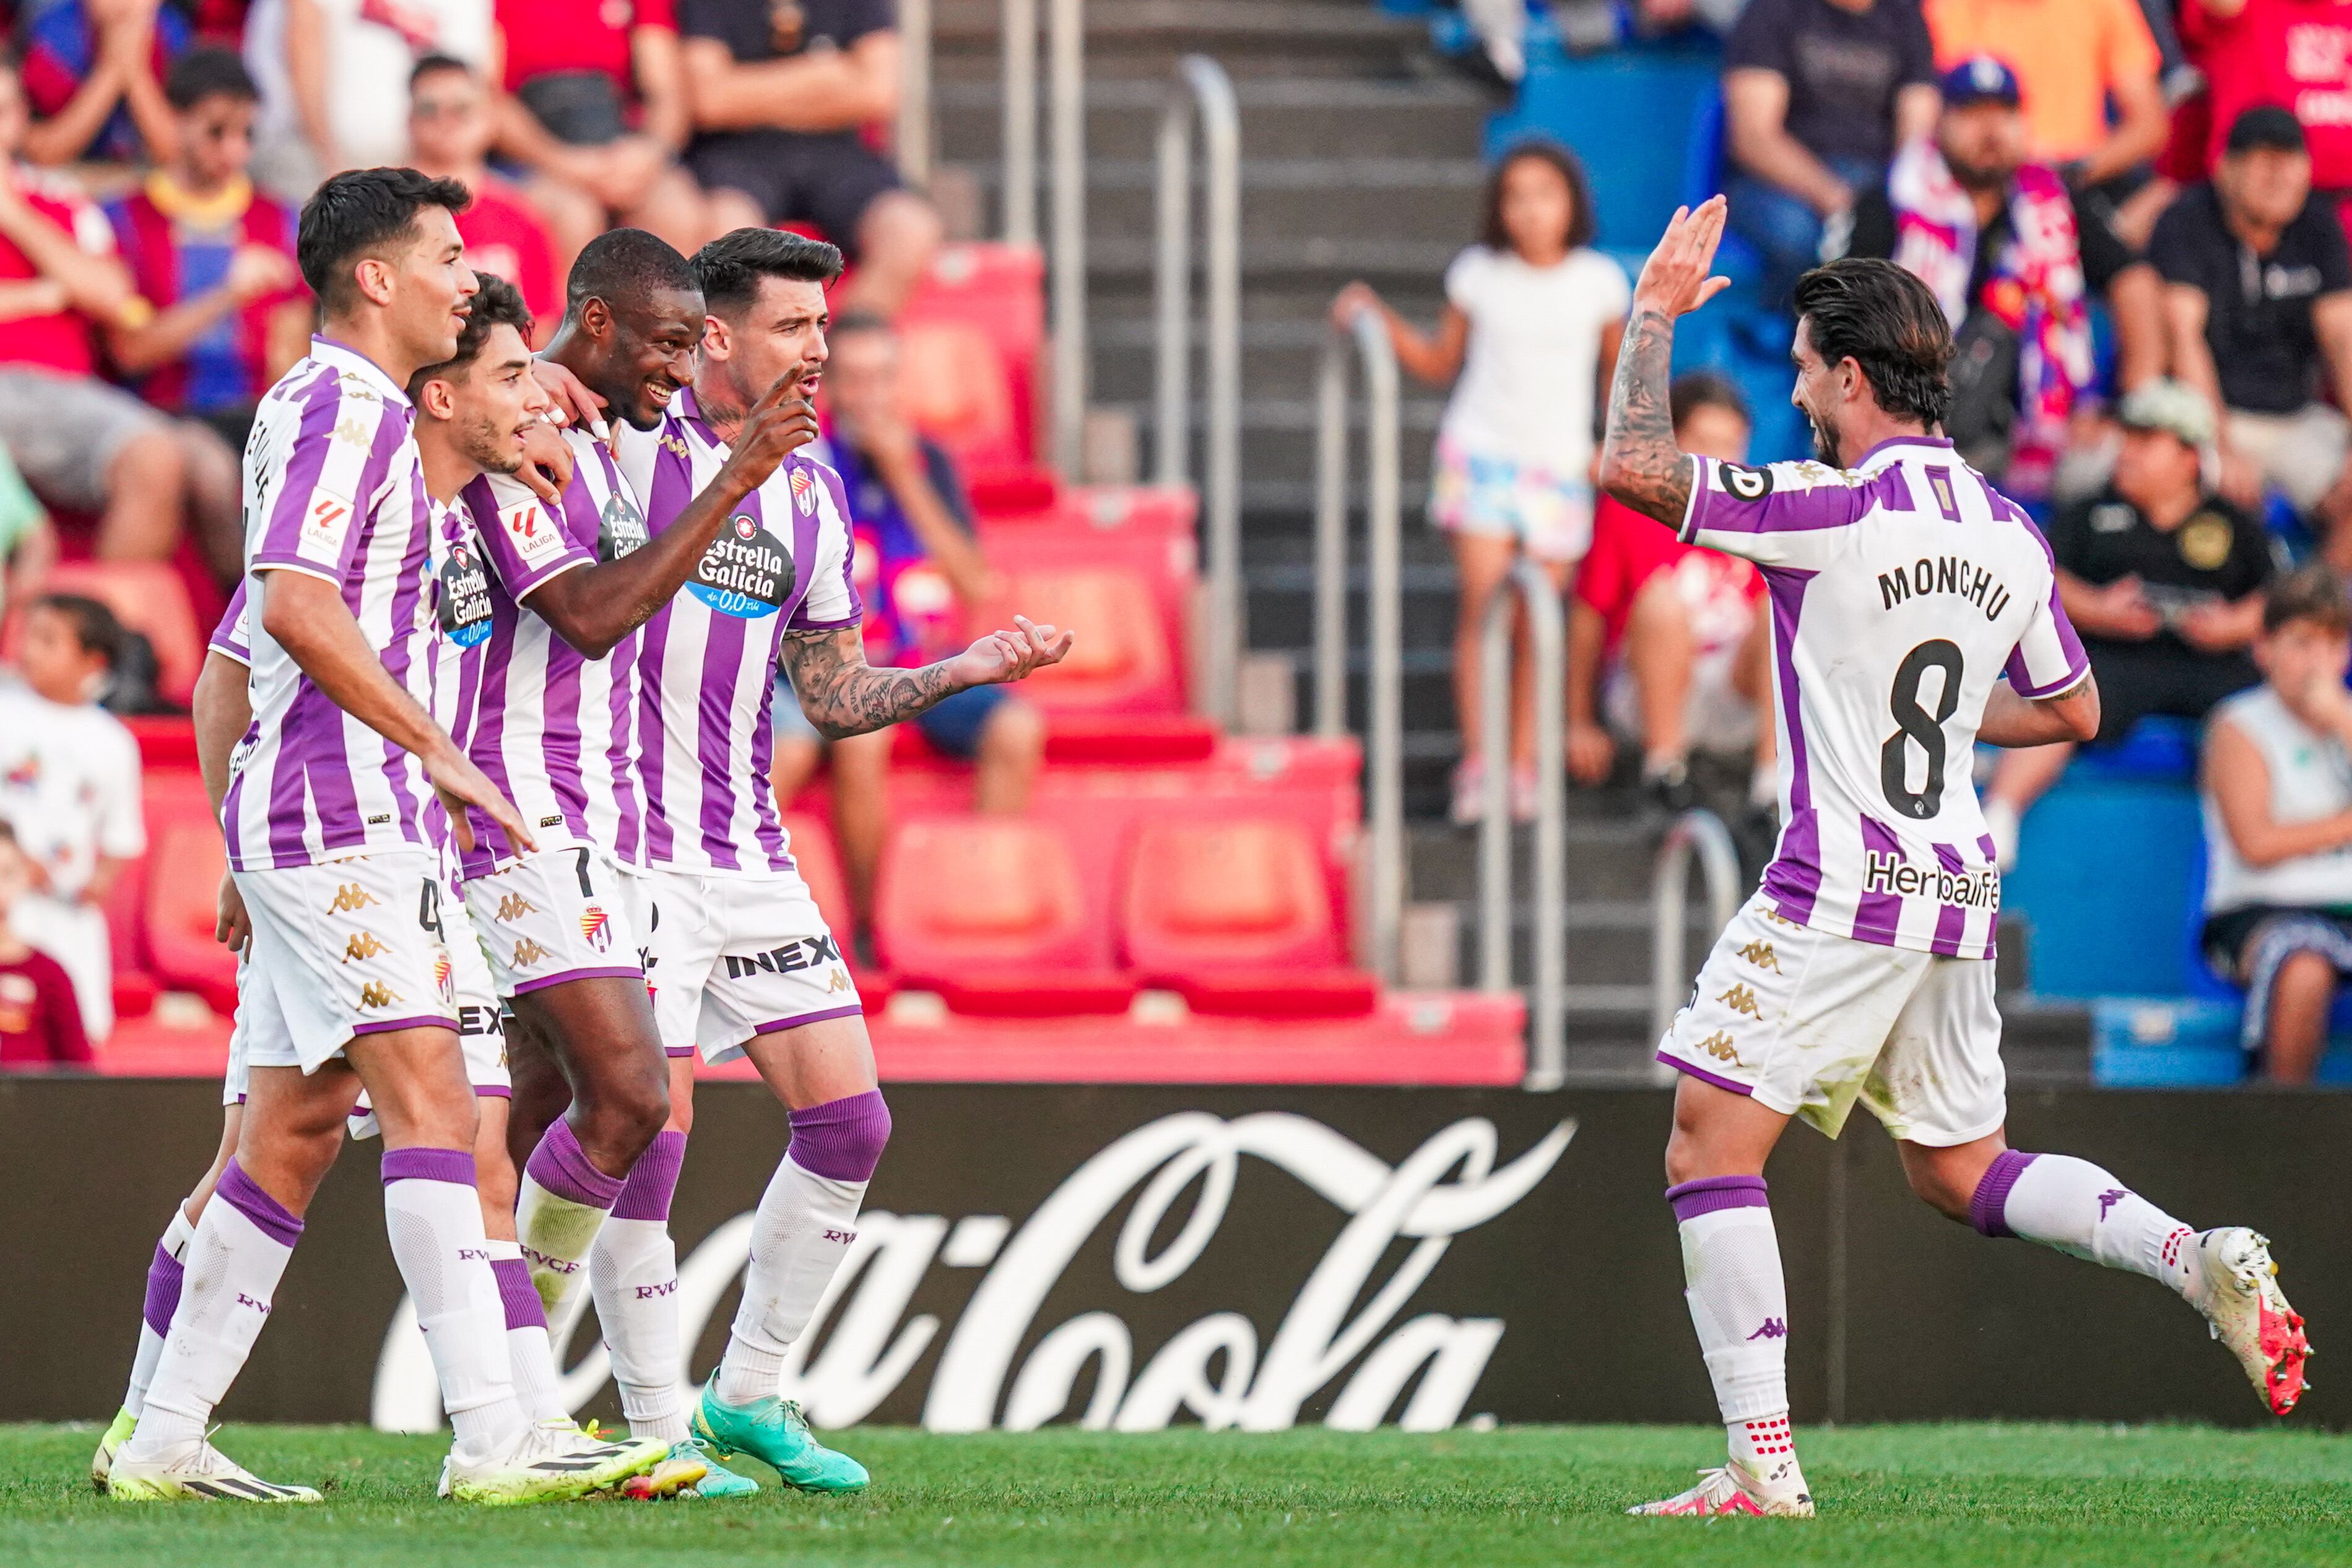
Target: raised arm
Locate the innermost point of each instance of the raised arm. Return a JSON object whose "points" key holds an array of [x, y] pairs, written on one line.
{"points": [[829, 90], [843, 695], [1640, 463]]}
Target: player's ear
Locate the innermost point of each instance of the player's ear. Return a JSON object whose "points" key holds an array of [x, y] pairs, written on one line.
{"points": [[373, 276], [718, 342], [595, 317]]}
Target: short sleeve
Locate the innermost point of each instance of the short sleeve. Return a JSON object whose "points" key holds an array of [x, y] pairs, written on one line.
{"points": [[121, 821], [2172, 245], [2328, 246], [1792, 515], [526, 544], [860, 17], [233, 639], [702, 18], [662, 14], [2104, 254], [942, 471], [1600, 576], [310, 518], [1760, 39], [2048, 659], [2127, 48], [830, 603], [1916, 45], [1466, 278]]}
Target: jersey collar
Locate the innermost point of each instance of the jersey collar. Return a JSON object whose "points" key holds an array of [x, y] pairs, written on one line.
{"points": [[1890, 449], [352, 362]]}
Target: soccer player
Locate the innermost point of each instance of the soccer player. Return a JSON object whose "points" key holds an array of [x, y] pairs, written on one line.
{"points": [[331, 853], [1904, 590], [739, 960], [553, 697]]}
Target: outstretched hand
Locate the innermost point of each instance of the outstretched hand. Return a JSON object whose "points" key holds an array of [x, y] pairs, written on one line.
{"points": [[1677, 278], [1002, 656]]}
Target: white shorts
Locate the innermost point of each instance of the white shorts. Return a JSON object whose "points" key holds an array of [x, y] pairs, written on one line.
{"points": [[728, 957], [570, 913], [481, 1032], [1806, 1023], [353, 946]]}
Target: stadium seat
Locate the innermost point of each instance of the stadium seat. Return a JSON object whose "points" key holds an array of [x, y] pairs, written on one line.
{"points": [[178, 914], [134, 988], [1236, 917], [1122, 662], [989, 912], [957, 392], [819, 859], [149, 598], [1000, 290]]}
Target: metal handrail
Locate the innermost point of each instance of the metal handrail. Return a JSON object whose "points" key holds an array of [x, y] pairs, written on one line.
{"points": [[1021, 123], [1384, 755], [1526, 585], [1065, 85], [1695, 831], [1206, 90], [912, 137]]}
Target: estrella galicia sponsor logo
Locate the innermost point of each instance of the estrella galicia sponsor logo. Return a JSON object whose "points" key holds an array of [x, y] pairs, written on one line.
{"points": [[620, 528], [800, 953], [465, 607], [1885, 873], [745, 573]]}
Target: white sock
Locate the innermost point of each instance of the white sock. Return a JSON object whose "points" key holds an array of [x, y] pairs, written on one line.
{"points": [[531, 1360], [435, 1219], [1739, 1305], [803, 1228], [2083, 1211], [234, 1260], [166, 1277], [634, 1272]]}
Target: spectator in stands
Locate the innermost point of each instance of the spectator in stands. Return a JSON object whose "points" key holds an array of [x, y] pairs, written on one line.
{"points": [[921, 575], [2164, 580], [28, 545], [214, 260], [2285, 52], [2082, 62], [93, 73], [334, 79], [84, 445], [1667, 643], [781, 93], [2278, 825], [40, 1022], [450, 129], [1532, 318], [1817, 94], [2258, 303], [2013, 259], [596, 106], [69, 788]]}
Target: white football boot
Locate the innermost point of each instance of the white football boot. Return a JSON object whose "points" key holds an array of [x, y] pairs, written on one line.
{"points": [[117, 1432], [195, 1469], [1733, 1490], [552, 1461], [2236, 1287]]}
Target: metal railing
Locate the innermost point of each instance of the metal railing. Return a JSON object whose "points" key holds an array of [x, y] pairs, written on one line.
{"points": [[1065, 85], [1020, 121], [1529, 587], [911, 137], [1383, 498], [1205, 92], [1701, 833]]}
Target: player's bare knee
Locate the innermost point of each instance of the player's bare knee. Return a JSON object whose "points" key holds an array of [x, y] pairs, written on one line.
{"points": [[618, 1119]]}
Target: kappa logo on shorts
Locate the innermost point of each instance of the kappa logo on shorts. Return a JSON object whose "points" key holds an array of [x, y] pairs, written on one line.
{"points": [[840, 981], [802, 953], [1760, 953], [528, 952], [1740, 1000], [1719, 1046], [376, 994], [362, 945], [350, 896], [514, 906], [597, 926]]}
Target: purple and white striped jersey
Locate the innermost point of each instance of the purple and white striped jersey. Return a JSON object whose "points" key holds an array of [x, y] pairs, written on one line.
{"points": [[1902, 588], [230, 639], [332, 490], [553, 728], [707, 666]]}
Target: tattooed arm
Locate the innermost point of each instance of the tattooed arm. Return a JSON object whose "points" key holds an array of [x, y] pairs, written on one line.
{"points": [[843, 695], [1640, 463]]}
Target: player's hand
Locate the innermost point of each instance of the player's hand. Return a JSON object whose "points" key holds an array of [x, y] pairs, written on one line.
{"points": [[1677, 278], [232, 927], [574, 403], [1591, 752], [782, 423], [460, 784], [546, 462], [1002, 656]]}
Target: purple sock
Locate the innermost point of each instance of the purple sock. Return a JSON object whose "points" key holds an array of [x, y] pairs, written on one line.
{"points": [[1708, 1194], [653, 1180], [562, 1167], [842, 1140], [163, 1277], [271, 1217], [516, 1294], [1987, 1207]]}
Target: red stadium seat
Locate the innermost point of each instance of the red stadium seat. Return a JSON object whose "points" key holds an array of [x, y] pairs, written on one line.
{"points": [[183, 891], [819, 859], [956, 391], [999, 289], [1123, 661], [149, 598], [989, 912]]}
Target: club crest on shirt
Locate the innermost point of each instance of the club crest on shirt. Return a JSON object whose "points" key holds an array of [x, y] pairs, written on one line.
{"points": [[597, 927], [804, 492], [745, 572], [464, 608]]}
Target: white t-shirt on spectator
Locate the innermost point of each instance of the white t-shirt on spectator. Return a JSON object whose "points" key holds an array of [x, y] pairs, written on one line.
{"points": [[372, 45], [1528, 378]]}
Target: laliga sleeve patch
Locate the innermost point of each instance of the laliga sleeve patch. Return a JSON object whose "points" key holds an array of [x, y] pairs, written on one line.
{"points": [[326, 524], [1747, 483], [531, 533]]}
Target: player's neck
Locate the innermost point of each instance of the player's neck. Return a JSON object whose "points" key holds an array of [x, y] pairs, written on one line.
{"points": [[721, 409], [446, 469], [1865, 430], [368, 333]]}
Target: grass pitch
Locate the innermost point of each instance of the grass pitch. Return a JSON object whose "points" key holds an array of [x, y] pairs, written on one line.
{"points": [[1912, 1496]]}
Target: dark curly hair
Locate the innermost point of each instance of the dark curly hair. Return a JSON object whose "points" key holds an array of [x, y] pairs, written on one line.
{"points": [[1888, 323]]}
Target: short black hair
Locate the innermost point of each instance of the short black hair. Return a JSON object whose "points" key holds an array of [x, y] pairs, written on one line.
{"points": [[1888, 323], [1695, 390], [208, 72], [358, 212], [628, 264], [496, 303], [430, 65], [2268, 127], [730, 268], [1543, 149], [2315, 593], [94, 624]]}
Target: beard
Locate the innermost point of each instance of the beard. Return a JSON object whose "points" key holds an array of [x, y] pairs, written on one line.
{"points": [[1825, 438], [491, 447]]}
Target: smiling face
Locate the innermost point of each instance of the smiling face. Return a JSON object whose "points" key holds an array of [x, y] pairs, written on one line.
{"points": [[425, 287], [1821, 393], [781, 329], [648, 351], [486, 407]]}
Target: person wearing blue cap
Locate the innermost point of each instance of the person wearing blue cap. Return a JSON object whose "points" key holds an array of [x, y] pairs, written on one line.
{"points": [[1817, 94], [2013, 259]]}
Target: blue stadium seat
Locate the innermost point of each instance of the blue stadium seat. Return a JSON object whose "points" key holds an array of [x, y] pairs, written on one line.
{"points": [[2102, 878]]}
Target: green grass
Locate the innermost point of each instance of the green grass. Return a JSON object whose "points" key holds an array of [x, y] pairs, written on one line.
{"points": [[1908, 1496]]}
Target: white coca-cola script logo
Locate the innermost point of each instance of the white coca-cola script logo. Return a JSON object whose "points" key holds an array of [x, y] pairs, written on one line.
{"points": [[1448, 1186]]}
